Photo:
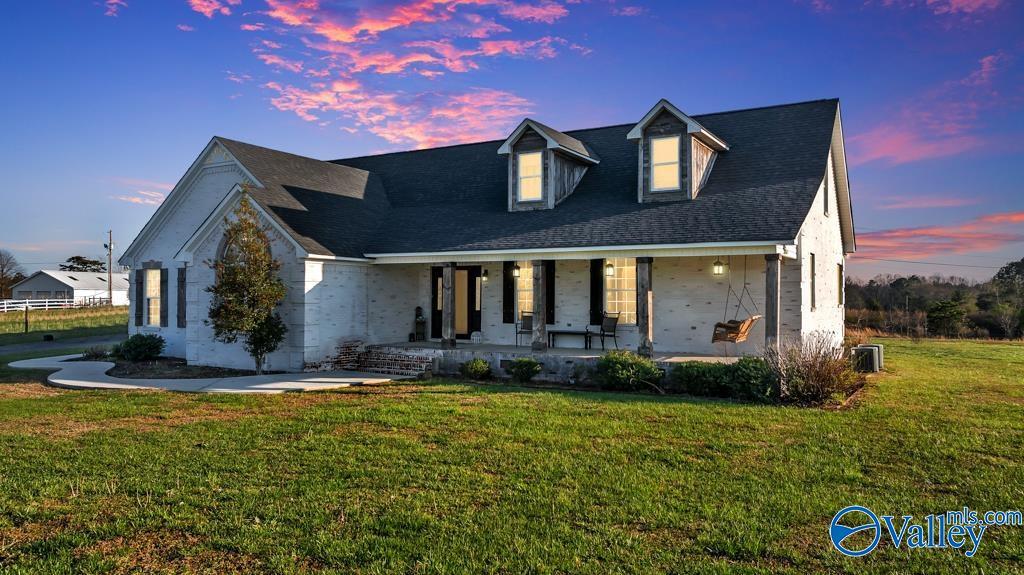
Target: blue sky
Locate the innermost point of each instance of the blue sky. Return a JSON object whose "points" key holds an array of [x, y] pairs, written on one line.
{"points": [[108, 102]]}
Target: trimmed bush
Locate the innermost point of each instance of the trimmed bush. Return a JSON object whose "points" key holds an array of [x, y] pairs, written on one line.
{"points": [[523, 369], [476, 369], [141, 347], [627, 371], [813, 372], [748, 378]]}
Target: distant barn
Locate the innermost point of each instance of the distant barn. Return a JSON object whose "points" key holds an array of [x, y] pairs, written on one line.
{"points": [[82, 287]]}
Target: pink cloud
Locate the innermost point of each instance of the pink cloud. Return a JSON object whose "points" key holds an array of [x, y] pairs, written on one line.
{"points": [[142, 198], [141, 183], [237, 78], [628, 10], [279, 62], [984, 233], [113, 6], [940, 123], [925, 202], [417, 120], [186, 28], [546, 12], [257, 27], [479, 27], [209, 8], [962, 6]]}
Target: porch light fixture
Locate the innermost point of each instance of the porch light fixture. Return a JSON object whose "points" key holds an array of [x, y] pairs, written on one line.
{"points": [[718, 268], [515, 271], [484, 276], [609, 269]]}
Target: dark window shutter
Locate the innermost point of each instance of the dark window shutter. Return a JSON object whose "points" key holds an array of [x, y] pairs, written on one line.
{"points": [[181, 297], [140, 303], [508, 293], [549, 291], [163, 297], [596, 291]]}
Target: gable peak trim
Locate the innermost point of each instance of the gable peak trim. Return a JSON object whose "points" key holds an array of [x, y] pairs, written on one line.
{"points": [[692, 126]]}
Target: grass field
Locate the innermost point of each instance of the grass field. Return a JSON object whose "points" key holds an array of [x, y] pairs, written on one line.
{"points": [[446, 477], [63, 323]]}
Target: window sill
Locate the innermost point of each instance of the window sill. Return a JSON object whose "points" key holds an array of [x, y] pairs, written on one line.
{"points": [[662, 190]]}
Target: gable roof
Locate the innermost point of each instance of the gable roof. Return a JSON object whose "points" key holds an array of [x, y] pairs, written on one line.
{"points": [[555, 139], [328, 209], [82, 280], [454, 198], [692, 126]]}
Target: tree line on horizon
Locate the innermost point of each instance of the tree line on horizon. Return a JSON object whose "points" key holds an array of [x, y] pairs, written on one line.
{"points": [[936, 305]]}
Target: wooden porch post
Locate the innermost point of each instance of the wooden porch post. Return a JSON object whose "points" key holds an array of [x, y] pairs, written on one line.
{"points": [[772, 294], [540, 330], [645, 305], [448, 305]]}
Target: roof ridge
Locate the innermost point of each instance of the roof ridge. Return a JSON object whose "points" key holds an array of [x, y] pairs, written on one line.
{"points": [[576, 130], [276, 151]]}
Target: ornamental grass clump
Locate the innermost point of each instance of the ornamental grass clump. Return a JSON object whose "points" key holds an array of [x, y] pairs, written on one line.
{"points": [[812, 372]]}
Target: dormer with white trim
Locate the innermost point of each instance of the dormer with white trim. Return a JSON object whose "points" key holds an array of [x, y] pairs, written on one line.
{"points": [[676, 154], [544, 166]]}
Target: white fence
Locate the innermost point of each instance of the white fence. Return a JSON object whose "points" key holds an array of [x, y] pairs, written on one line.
{"points": [[8, 305]]}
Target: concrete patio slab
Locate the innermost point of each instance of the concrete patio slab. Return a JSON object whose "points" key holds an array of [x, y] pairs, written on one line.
{"points": [[92, 375]]}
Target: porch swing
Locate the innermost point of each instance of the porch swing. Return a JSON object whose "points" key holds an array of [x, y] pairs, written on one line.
{"points": [[736, 330]]}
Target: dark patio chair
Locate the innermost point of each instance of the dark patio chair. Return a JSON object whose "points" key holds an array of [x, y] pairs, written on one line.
{"points": [[525, 326], [609, 323]]}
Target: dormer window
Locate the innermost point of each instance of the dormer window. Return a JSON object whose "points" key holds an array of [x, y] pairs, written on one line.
{"points": [[665, 164], [530, 187]]}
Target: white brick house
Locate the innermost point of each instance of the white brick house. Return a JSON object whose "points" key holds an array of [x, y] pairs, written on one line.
{"points": [[624, 220]]}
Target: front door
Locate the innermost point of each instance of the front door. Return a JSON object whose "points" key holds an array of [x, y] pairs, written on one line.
{"points": [[467, 301]]}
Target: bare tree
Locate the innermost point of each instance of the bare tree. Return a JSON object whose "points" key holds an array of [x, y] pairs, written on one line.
{"points": [[11, 272]]}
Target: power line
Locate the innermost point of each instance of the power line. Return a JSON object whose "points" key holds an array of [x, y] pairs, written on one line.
{"points": [[857, 257]]}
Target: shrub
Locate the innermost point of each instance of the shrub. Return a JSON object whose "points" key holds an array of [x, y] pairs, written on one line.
{"points": [[523, 369], [748, 378], [813, 372], [476, 369], [627, 371], [142, 347], [96, 353]]}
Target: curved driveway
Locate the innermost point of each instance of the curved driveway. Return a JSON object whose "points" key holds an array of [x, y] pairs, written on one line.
{"points": [[92, 375]]}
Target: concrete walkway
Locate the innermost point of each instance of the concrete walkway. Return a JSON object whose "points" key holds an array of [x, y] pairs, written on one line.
{"points": [[92, 375]]}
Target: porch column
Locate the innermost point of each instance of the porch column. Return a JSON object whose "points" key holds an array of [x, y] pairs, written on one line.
{"points": [[448, 305], [772, 291], [645, 306], [540, 329]]}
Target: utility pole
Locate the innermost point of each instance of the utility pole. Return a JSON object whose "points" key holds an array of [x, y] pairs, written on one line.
{"points": [[110, 266]]}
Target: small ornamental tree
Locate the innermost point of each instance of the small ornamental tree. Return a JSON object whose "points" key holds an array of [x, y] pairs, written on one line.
{"points": [[247, 289]]}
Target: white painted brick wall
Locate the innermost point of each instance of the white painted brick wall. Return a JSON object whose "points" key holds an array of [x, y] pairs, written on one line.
{"points": [[207, 190], [821, 235]]}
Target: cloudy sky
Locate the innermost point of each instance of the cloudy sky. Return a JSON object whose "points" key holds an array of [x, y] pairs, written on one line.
{"points": [[108, 102]]}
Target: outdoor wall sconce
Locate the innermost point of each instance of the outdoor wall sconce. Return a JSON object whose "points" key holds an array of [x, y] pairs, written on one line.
{"points": [[609, 269], [718, 268], [515, 271], [484, 276]]}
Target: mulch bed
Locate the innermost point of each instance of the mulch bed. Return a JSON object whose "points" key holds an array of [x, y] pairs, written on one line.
{"points": [[173, 368]]}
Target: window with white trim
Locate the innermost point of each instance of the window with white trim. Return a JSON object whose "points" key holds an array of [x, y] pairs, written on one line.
{"points": [[665, 162], [620, 289], [524, 288], [152, 287], [531, 170]]}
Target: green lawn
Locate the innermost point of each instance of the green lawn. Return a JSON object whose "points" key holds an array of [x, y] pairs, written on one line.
{"points": [[445, 477], [63, 323]]}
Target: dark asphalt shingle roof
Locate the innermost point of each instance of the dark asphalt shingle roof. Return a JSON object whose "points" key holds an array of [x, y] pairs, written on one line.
{"points": [[454, 198], [329, 209]]}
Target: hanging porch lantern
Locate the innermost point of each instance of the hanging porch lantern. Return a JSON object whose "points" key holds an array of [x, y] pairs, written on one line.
{"points": [[718, 268]]}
